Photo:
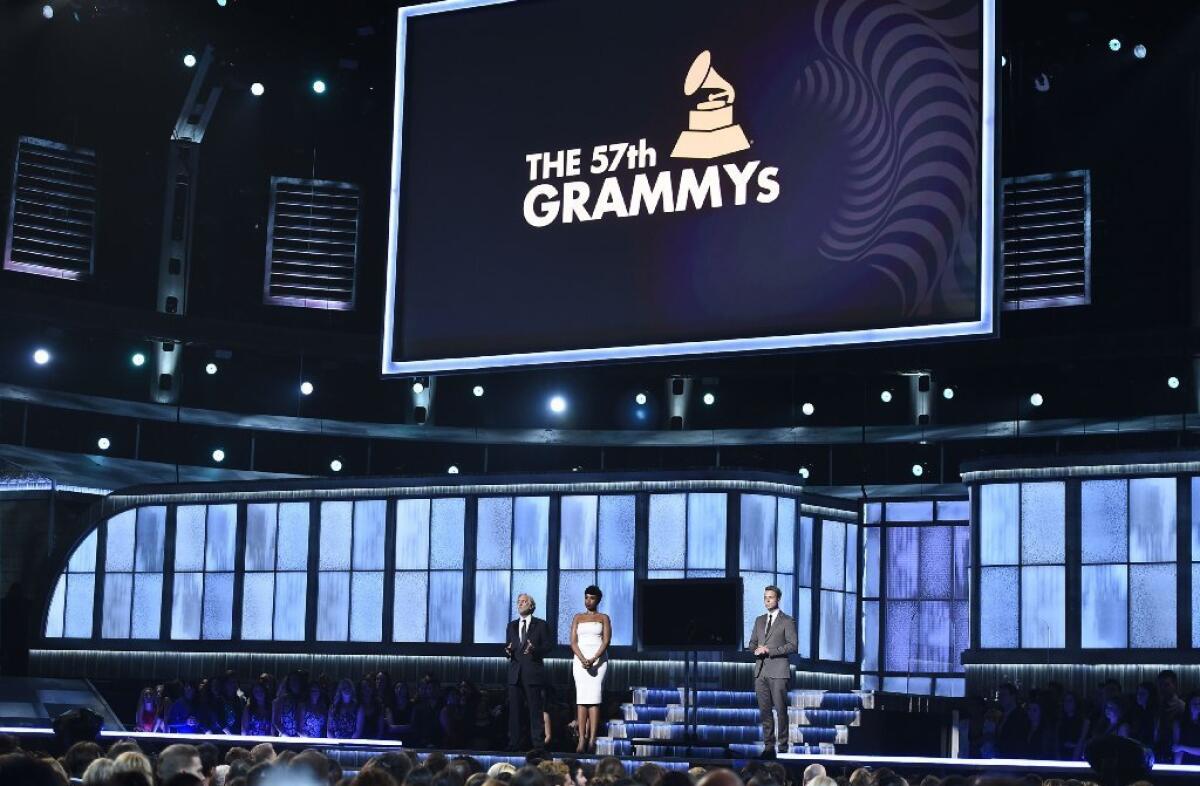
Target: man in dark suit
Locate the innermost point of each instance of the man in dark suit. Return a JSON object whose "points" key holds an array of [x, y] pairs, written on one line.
{"points": [[772, 639], [527, 642]]}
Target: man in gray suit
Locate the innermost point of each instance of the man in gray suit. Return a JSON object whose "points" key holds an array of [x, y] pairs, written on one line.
{"points": [[772, 640]]}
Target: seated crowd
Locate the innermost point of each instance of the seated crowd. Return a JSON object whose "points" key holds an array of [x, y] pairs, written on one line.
{"points": [[1053, 723]]}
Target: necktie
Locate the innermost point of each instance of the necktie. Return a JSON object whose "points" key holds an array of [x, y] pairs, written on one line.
{"points": [[524, 628], [770, 619]]}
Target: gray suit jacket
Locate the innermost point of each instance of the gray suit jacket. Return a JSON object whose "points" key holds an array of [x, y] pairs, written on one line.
{"points": [[781, 641]]}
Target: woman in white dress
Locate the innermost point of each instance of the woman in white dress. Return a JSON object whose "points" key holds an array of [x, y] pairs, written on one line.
{"points": [[591, 633]]}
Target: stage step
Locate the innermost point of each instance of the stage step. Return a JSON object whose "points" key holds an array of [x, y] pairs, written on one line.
{"points": [[805, 699], [720, 734], [737, 716]]}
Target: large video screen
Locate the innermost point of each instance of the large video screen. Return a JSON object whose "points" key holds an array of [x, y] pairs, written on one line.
{"points": [[590, 180]]}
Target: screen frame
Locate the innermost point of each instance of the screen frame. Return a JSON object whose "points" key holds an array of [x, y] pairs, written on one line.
{"points": [[989, 242], [644, 585]]}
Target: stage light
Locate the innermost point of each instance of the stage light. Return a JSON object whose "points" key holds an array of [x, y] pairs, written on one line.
{"points": [[104, 443], [418, 388], [210, 369], [1173, 383], [306, 388], [886, 397], [1139, 51], [807, 408], [558, 405], [1037, 400], [640, 398], [1041, 82], [318, 87], [640, 413], [803, 472], [257, 89], [477, 391], [41, 356], [48, 11], [947, 393], [453, 470], [138, 359], [189, 60], [222, 3], [917, 470], [335, 465], [218, 455], [1003, 61], [709, 399], [1114, 44]]}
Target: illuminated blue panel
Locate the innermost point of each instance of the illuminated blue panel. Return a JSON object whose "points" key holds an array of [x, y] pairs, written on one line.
{"points": [[412, 541], [491, 605], [902, 568], [118, 549], [336, 536], [366, 606], [617, 526], [1104, 619], [260, 540], [757, 546], [870, 634], [706, 532], [532, 583], [954, 510], [54, 617], [187, 603], [920, 686], [871, 562], [618, 603], [571, 584], [999, 507], [370, 524], [147, 606], [1104, 511], [900, 635], [752, 600], [1195, 528], [1152, 520], [873, 512], [291, 604], [333, 604], [960, 632], [189, 538], [408, 612], [787, 583], [1195, 598], [804, 623], [258, 604], [1152, 606], [850, 645], [1043, 607], [933, 636], [446, 534], [852, 558], [869, 682], [804, 552], [1043, 528], [998, 610], [577, 542], [118, 596], [962, 562], [665, 574], [895, 684], [667, 531], [218, 606], [493, 541], [937, 563], [445, 606], [833, 633], [705, 574], [909, 511], [220, 545], [833, 555], [954, 687], [83, 559], [785, 536], [292, 543], [531, 533]]}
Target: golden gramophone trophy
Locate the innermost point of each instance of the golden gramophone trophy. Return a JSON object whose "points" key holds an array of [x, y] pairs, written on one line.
{"points": [[711, 131]]}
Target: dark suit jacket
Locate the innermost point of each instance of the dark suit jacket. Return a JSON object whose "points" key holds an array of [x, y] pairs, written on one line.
{"points": [[528, 668]]}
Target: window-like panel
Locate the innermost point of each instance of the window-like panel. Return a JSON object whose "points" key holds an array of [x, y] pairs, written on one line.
{"points": [[531, 533], [1104, 507], [1152, 520], [189, 538], [260, 537], [1105, 604], [998, 610], [833, 632], [221, 540], [370, 520], [445, 606], [1043, 607], [870, 586], [571, 584], [337, 536], [937, 562], [54, 617], [804, 549], [147, 606], [667, 531], [491, 605], [1152, 605], [618, 603], [953, 510], [446, 534], [218, 606], [999, 523], [120, 539], [493, 541], [258, 603], [366, 606], [902, 566], [706, 532], [577, 543], [408, 612], [1043, 528], [757, 543], [833, 555], [803, 607], [118, 599], [412, 539], [870, 635], [785, 536], [187, 604], [291, 603], [617, 532], [910, 511], [292, 541], [83, 560], [333, 604]]}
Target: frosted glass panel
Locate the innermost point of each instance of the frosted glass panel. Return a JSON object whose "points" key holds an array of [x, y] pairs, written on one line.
{"points": [[1152, 606], [1043, 607], [532, 583], [186, 605], [757, 547], [119, 548], [954, 510], [998, 520], [446, 534], [118, 596], [1104, 619], [531, 533], [189, 537], [937, 562], [83, 559], [408, 612], [218, 606], [370, 522], [1105, 522], [960, 632], [787, 583], [909, 511], [1195, 528], [618, 603], [870, 623], [900, 640], [850, 618], [366, 606], [291, 603], [665, 574], [785, 537], [933, 636], [873, 512], [852, 558], [577, 542], [412, 540], [832, 629], [333, 605], [617, 524], [667, 531], [493, 542], [1043, 531], [258, 605], [804, 622], [260, 537], [1195, 601], [147, 606], [705, 574], [871, 562], [291, 544], [833, 554], [445, 606], [752, 600], [336, 536], [706, 531], [221, 542], [902, 568], [492, 607], [1152, 520], [962, 562], [998, 591], [54, 617], [571, 584], [804, 552]]}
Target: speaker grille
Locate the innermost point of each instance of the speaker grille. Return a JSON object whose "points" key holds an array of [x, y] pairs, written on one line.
{"points": [[1047, 240], [312, 244]]}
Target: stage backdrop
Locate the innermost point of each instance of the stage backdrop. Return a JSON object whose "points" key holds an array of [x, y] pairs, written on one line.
{"points": [[579, 181]]}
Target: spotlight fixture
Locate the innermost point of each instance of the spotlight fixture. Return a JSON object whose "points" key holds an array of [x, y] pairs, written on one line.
{"points": [[104, 443], [1003, 61], [477, 391], [1114, 45], [48, 11], [138, 359], [803, 472], [41, 356], [709, 399], [558, 405], [947, 393], [1139, 51], [257, 89], [418, 387], [336, 465], [189, 60], [222, 3], [807, 408], [210, 369], [886, 396], [1173, 383], [917, 470], [1041, 82], [453, 470], [218, 455], [1037, 400], [306, 388], [640, 398], [318, 86]]}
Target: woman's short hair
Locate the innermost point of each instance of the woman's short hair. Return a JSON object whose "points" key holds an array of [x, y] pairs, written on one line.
{"points": [[594, 591]]}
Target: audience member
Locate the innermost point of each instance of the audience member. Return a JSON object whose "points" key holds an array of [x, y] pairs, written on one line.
{"points": [[77, 758], [98, 772], [813, 770], [18, 768], [176, 759], [1012, 731]]}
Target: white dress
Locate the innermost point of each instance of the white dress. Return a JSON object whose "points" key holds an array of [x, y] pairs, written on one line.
{"points": [[589, 683]]}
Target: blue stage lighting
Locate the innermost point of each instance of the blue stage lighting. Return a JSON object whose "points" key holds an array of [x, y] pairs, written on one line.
{"points": [[306, 388], [41, 356], [257, 89], [218, 455], [189, 60], [1139, 51], [336, 465], [709, 399], [48, 11], [804, 473], [1173, 383], [917, 470], [1114, 44], [947, 393], [640, 414], [104, 443], [138, 359], [453, 470], [640, 398], [807, 408], [210, 369], [1037, 400], [558, 405], [318, 86], [418, 387], [886, 396], [477, 391]]}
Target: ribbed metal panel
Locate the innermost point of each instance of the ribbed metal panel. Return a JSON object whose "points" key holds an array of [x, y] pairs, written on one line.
{"points": [[312, 244], [1048, 240], [52, 210]]}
